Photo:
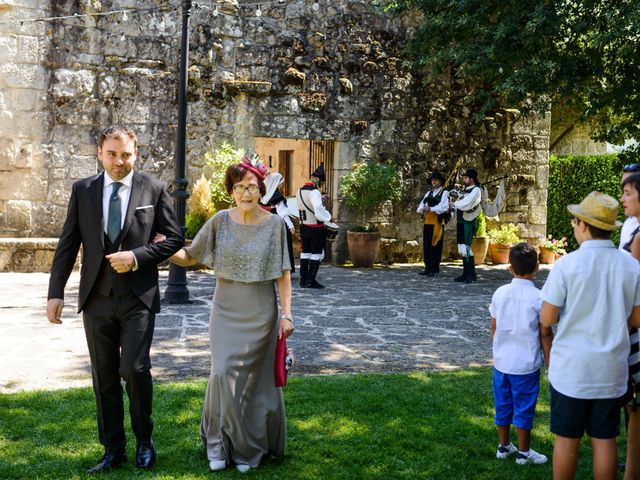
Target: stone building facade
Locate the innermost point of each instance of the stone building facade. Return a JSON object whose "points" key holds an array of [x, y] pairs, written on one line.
{"points": [[296, 70]]}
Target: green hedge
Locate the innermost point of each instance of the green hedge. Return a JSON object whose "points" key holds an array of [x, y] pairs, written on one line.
{"points": [[571, 178]]}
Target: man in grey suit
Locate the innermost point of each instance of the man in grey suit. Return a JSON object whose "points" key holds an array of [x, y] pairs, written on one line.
{"points": [[114, 216]]}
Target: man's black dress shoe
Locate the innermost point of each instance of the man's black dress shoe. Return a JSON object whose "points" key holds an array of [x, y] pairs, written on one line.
{"points": [[108, 461], [145, 454]]}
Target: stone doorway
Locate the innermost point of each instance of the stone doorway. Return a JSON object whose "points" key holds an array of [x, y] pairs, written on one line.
{"points": [[296, 159]]}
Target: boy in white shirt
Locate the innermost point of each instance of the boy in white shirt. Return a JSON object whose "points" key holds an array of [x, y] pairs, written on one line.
{"points": [[517, 354], [593, 294]]}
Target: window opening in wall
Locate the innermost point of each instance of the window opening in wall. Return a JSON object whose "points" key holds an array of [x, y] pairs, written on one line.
{"points": [[322, 152]]}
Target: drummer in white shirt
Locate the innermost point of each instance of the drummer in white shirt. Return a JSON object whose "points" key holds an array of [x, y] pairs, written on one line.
{"points": [[313, 233]]}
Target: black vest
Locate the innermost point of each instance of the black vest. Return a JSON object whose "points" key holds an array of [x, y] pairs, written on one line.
{"points": [[108, 279]]}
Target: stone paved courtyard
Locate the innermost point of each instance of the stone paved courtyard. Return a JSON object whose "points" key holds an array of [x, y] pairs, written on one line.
{"points": [[381, 320]]}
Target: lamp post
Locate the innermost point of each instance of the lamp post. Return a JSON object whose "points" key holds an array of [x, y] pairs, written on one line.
{"points": [[177, 291]]}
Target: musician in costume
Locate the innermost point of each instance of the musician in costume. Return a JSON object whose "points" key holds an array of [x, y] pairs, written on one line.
{"points": [[433, 207], [468, 207], [313, 233], [274, 202]]}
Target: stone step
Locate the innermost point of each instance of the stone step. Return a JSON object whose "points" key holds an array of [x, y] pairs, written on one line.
{"points": [[27, 254]]}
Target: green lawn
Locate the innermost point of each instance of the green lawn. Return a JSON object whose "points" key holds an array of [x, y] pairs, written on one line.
{"points": [[419, 425]]}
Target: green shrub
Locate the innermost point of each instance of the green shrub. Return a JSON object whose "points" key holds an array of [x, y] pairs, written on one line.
{"points": [[217, 163], [507, 234], [481, 225], [571, 178], [368, 185], [193, 224]]}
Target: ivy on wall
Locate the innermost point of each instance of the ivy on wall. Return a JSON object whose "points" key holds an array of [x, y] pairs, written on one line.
{"points": [[571, 178]]}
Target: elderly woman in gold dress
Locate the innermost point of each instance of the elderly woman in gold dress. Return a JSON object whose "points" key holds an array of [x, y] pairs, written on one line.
{"points": [[243, 418]]}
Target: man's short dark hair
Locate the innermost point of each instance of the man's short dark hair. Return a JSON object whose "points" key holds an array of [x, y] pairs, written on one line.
{"points": [[523, 258], [599, 233], [117, 131]]}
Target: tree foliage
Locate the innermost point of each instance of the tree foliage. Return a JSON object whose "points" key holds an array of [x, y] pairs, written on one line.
{"points": [[217, 163], [582, 55]]}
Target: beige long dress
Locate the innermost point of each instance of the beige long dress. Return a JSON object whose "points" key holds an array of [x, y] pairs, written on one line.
{"points": [[243, 418]]}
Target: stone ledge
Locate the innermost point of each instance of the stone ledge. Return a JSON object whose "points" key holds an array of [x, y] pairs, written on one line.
{"points": [[249, 87], [28, 254]]}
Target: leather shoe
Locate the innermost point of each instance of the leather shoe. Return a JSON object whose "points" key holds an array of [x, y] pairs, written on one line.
{"points": [[145, 454], [107, 462]]}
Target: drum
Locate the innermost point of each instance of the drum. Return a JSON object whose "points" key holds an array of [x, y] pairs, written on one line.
{"points": [[332, 230]]}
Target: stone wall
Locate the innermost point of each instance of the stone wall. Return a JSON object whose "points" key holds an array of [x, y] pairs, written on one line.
{"points": [[24, 119], [576, 139], [301, 70]]}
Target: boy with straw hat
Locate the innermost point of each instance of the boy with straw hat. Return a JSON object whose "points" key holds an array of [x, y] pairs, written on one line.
{"points": [[593, 294]]}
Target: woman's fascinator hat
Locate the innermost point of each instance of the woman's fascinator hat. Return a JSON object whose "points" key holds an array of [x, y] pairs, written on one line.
{"points": [[597, 209], [254, 165]]}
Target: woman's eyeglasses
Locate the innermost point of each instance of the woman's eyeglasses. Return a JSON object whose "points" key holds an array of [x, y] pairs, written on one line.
{"points": [[240, 189], [575, 222], [631, 168]]}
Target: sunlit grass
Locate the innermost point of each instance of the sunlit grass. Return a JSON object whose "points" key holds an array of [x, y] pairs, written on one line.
{"points": [[418, 425]]}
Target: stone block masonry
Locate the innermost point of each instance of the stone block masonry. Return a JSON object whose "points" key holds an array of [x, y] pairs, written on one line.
{"points": [[296, 72], [24, 119]]}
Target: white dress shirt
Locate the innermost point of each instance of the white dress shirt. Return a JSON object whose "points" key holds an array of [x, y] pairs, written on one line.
{"points": [[516, 341], [124, 193], [629, 225], [596, 287], [442, 207], [319, 211], [469, 205]]}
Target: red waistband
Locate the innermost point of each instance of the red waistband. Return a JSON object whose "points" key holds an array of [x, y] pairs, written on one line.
{"points": [[316, 225]]}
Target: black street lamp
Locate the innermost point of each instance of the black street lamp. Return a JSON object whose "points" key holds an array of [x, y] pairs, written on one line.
{"points": [[177, 291]]}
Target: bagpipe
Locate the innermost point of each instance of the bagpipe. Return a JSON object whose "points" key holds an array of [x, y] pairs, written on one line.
{"points": [[457, 192]]}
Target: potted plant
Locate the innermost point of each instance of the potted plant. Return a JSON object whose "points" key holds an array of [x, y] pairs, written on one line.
{"points": [[500, 241], [480, 242], [365, 188], [550, 248]]}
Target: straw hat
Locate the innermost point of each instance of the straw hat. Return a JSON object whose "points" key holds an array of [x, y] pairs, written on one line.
{"points": [[597, 209]]}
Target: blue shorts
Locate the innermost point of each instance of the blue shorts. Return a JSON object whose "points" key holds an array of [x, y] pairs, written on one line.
{"points": [[515, 398]]}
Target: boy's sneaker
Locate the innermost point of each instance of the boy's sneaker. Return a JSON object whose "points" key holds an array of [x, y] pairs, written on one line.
{"points": [[505, 451], [532, 457]]}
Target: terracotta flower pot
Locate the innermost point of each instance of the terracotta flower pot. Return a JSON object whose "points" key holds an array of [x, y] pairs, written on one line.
{"points": [[363, 247], [479, 247], [499, 253], [547, 255]]}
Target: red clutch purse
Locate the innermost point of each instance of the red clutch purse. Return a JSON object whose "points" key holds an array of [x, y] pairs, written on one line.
{"points": [[280, 365]]}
